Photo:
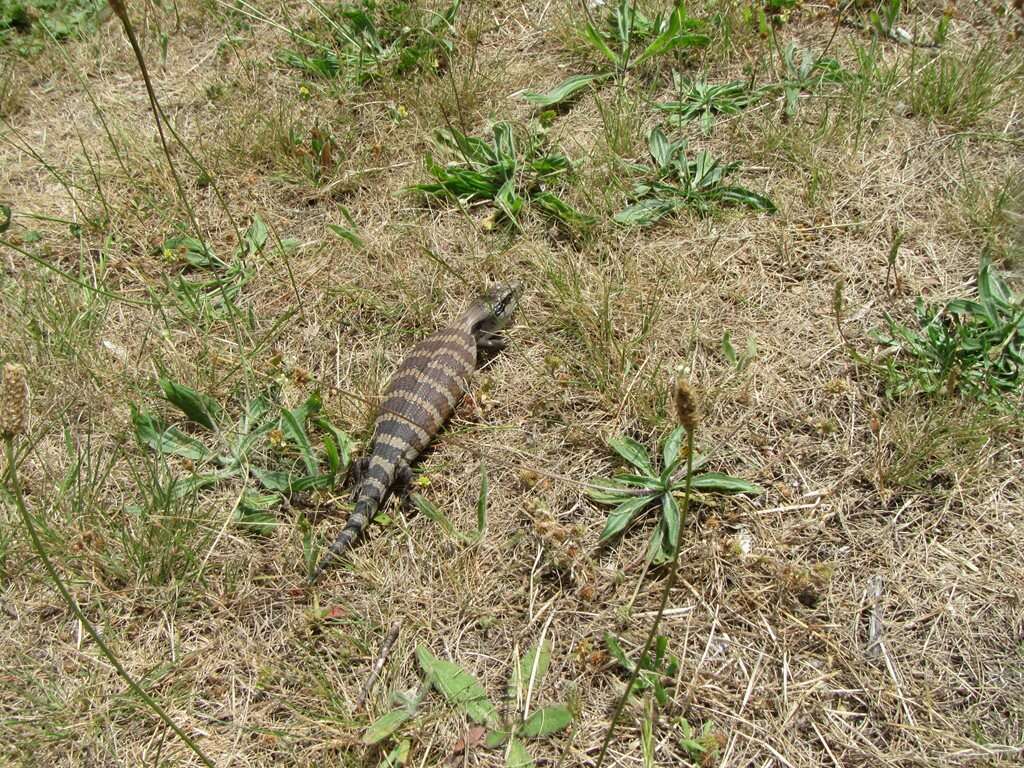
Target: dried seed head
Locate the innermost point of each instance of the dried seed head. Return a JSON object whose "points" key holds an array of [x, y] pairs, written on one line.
{"points": [[837, 299], [687, 410], [14, 406]]}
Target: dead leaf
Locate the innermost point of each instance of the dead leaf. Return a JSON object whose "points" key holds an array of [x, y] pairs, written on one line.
{"points": [[474, 738], [334, 613]]}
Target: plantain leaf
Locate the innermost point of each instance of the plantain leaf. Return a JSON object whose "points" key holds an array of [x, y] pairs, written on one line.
{"points": [[169, 441], [605, 490], [517, 756], [546, 721], [563, 90], [397, 756], [716, 481], [197, 407], [594, 37], [458, 686], [385, 725], [496, 738], [645, 212], [670, 451], [746, 197], [633, 452], [293, 425], [537, 658], [623, 515], [252, 514]]}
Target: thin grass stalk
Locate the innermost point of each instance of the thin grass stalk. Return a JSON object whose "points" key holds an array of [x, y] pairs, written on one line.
{"points": [[15, 486], [161, 118], [670, 582]]}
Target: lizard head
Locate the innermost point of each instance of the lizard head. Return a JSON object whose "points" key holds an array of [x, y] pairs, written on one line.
{"points": [[493, 311]]}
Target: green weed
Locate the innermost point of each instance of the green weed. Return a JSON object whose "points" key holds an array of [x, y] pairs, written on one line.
{"points": [[463, 691], [380, 40], [699, 100], [26, 25], [637, 492], [208, 286], [803, 72], [702, 745], [974, 347], [626, 31], [511, 173], [652, 671], [231, 449], [627, 38], [677, 182], [765, 15], [429, 510]]}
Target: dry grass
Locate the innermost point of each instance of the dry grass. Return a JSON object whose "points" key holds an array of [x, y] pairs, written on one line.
{"points": [[770, 622]]}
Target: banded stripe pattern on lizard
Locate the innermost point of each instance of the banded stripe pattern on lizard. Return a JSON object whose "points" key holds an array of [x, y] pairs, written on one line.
{"points": [[421, 397]]}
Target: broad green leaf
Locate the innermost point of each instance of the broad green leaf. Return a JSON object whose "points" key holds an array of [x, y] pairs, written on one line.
{"points": [[546, 721], [659, 551], [563, 90], [170, 441], [533, 666], [397, 756], [346, 234], [747, 198], [429, 510], [645, 212], [255, 237], [496, 738], [633, 452], [605, 490], [5, 218], [727, 348], [200, 408], [660, 148], [672, 36], [716, 481], [274, 480], [310, 482], [331, 451], [296, 433], [195, 252], [458, 686], [623, 515], [385, 725], [293, 424], [555, 206], [509, 201], [670, 451], [252, 513], [185, 486], [341, 440], [517, 756], [595, 38], [663, 544]]}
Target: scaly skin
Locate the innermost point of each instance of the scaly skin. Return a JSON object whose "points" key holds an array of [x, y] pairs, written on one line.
{"points": [[421, 397]]}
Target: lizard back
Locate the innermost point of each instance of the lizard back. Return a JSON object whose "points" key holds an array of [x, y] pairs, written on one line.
{"points": [[424, 391]]}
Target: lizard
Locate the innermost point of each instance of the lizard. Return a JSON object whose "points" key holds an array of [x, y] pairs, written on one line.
{"points": [[419, 399]]}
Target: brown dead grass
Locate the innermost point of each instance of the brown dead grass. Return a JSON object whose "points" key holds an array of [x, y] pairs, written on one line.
{"points": [[770, 621]]}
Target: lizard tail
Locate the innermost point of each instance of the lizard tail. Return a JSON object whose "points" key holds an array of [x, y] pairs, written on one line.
{"points": [[357, 522]]}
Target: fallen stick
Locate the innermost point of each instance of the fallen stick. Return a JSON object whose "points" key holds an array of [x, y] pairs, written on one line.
{"points": [[378, 665]]}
